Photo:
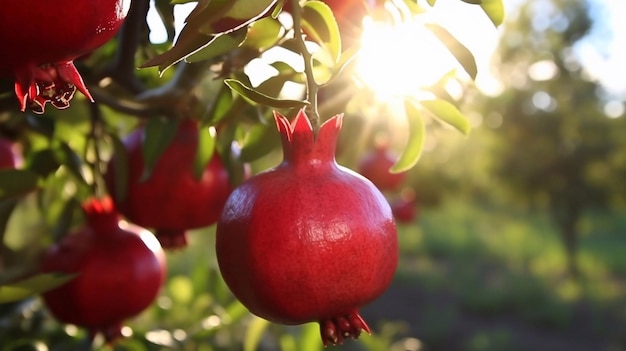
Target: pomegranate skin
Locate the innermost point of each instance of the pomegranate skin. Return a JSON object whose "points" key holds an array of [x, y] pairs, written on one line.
{"points": [[172, 200], [120, 269], [308, 240], [375, 166], [44, 38]]}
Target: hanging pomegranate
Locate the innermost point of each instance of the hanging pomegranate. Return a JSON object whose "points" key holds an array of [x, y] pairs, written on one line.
{"points": [[120, 268], [41, 40], [404, 206], [172, 200], [375, 166], [308, 240]]}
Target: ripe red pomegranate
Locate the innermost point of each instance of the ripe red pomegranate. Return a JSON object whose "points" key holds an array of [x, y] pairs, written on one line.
{"points": [[42, 38], [172, 200], [9, 157], [375, 166], [120, 268], [308, 240]]}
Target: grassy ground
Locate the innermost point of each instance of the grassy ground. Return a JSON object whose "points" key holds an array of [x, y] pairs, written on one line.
{"points": [[475, 278]]}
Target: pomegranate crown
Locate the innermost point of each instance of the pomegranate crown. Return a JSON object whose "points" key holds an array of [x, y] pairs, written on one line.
{"points": [[301, 145], [101, 210]]}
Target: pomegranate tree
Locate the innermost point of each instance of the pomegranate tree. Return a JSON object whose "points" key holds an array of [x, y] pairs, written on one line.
{"points": [[173, 199], [42, 38], [308, 240], [119, 269]]}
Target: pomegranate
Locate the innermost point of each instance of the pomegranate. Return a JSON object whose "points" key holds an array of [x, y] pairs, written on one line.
{"points": [[172, 200], [120, 268], [404, 207], [41, 40], [308, 240], [375, 166], [9, 157]]}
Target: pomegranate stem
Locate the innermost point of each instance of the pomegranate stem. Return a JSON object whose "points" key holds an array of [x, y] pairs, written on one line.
{"points": [[311, 85]]}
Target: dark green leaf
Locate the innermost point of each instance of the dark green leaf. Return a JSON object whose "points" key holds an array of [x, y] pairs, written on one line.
{"points": [[6, 209], [256, 97], [259, 141], [205, 151], [462, 54], [221, 45], [64, 221], [448, 113], [417, 133], [494, 10], [17, 182], [219, 107], [68, 158], [43, 162], [159, 132], [32, 286]]}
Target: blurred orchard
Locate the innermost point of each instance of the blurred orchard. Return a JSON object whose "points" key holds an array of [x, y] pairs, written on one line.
{"points": [[484, 124]]}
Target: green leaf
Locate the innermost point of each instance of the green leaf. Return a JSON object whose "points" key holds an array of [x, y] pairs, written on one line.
{"points": [[310, 338], [494, 10], [318, 21], [17, 182], [431, 2], [67, 157], [159, 132], [254, 333], [64, 220], [205, 151], [448, 113], [32, 286], [256, 97], [473, 2], [222, 44], [263, 34], [417, 134], [120, 166], [260, 140], [462, 54]]}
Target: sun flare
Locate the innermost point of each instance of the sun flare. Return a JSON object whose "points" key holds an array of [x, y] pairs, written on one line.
{"points": [[401, 59]]}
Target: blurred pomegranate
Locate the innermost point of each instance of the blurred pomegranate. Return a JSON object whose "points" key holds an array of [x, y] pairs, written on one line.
{"points": [[308, 240], [375, 166], [404, 206], [42, 38], [9, 156], [172, 200], [120, 268]]}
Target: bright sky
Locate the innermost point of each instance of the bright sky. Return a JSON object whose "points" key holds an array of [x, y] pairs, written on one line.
{"points": [[603, 54]]}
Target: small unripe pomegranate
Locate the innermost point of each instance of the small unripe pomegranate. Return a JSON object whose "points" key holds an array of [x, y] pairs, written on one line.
{"points": [[119, 268], [9, 156], [41, 40], [172, 200], [308, 240], [375, 166]]}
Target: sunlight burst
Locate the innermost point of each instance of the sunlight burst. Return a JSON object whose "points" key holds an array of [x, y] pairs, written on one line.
{"points": [[398, 60]]}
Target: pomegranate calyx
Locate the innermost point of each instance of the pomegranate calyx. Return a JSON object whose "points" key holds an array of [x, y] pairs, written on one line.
{"points": [[54, 83], [301, 146], [334, 330]]}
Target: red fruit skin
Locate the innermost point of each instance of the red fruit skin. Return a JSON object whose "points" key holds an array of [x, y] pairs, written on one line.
{"points": [[9, 157], [120, 268], [44, 38], [308, 240], [375, 166], [172, 200]]}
